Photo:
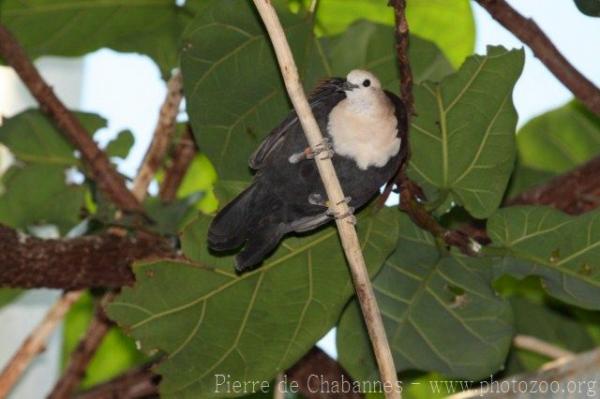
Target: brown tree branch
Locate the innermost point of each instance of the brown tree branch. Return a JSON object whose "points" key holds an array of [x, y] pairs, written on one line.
{"points": [[531, 34], [402, 35], [96, 160], [139, 382], [83, 262], [35, 343], [165, 128], [575, 192], [182, 157], [85, 351]]}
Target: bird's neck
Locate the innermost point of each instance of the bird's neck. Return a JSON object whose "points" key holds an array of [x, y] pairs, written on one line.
{"points": [[373, 105]]}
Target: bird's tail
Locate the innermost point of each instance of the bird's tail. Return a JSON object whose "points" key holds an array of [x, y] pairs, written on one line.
{"points": [[229, 229]]}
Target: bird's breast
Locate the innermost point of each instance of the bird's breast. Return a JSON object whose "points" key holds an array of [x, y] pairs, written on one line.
{"points": [[367, 139]]}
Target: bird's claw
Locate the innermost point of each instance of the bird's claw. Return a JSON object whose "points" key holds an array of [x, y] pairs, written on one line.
{"points": [[346, 201], [317, 199], [349, 215], [325, 147]]}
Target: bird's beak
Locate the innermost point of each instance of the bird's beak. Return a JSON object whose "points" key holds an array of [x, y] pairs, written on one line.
{"points": [[347, 86]]}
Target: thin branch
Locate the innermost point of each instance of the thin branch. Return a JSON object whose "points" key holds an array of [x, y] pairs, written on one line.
{"points": [[35, 343], [562, 374], [402, 43], [85, 351], [536, 345], [182, 158], [163, 132], [347, 232], [83, 262], [531, 34], [95, 159]]}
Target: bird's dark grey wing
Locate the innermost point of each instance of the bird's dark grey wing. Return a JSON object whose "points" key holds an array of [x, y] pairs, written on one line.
{"points": [[327, 92], [400, 111]]}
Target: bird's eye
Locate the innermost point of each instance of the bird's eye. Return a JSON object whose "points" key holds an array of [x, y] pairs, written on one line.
{"points": [[366, 83]]}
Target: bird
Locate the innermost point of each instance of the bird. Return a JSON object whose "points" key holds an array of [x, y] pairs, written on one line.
{"points": [[365, 134]]}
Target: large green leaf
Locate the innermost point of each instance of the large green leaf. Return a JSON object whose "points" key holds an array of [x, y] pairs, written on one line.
{"points": [[449, 24], [440, 313], [234, 91], [371, 46], [563, 250], [462, 139], [33, 139], [74, 27], [210, 321], [560, 139], [37, 193]]}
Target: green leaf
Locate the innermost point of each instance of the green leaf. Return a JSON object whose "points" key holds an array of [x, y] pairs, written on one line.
{"points": [[449, 24], [210, 321], [439, 311], [120, 145], [200, 176], [371, 46], [169, 218], [561, 249], [589, 7], [33, 139], [7, 295], [192, 244], [38, 193], [561, 139], [74, 28], [462, 139], [234, 90], [116, 354]]}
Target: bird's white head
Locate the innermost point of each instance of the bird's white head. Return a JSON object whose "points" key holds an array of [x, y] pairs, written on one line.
{"points": [[363, 91]]}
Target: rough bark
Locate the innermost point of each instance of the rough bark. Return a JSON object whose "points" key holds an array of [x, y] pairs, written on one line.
{"points": [[90, 261]]}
